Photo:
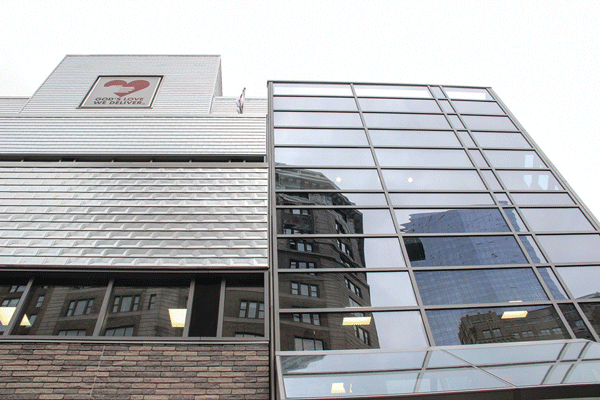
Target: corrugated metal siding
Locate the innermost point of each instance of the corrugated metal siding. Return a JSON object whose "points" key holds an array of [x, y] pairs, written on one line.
{"points": [[133, 217], [12, 105], [209, 135], [226, 105], [187, 87]]}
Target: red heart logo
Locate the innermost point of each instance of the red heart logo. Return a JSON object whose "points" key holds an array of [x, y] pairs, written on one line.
{"points": [[128, 88]]}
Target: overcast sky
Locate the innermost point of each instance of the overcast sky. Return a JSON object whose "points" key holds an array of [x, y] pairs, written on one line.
{"points": [[541, 57]]}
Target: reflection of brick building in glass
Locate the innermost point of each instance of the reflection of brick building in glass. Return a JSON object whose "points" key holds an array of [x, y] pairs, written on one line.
{"points": [[302, 331], [490, 327]]}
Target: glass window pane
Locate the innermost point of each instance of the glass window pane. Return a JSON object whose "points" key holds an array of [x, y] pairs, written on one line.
{"points": [[405, 121], [432, 180], [502, 198], [302, 89], [440, 199], [247, 289], [336, 179], [515, 220], [501, 139], [491, 180], [385, 330], [516, 324], [317, 119], [445, 104], [366, 289], [479, 286], [517, 159], [414, 138], [336, 221], [488, 123], [422, 158], [457, 380], [529, 180], [10, 294], [331, 198], [575, 322], [553, 284], [592, 312], [438, 92], [67, 309], [392, 91], [583, 282], [451, 221], [463, 250], [556, 219], [167, 318], [533, 249], [340, 253], [542, 198], [477, 107], [323, 156], [320, 386], [398, 105], [466, 139], [571, 248], [478, 158], [455, 121], [467, 94], [315, 103], [320, 137]]}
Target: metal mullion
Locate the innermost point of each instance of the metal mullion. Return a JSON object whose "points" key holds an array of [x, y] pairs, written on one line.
{"points": [[505, 304], [363, 270], [103, 313], [319, 146], [344, 310], [24, 299], [221, 308], [547, 161]]}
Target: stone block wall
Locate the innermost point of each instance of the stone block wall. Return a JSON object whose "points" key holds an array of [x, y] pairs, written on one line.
{"points": [[134, 371]]}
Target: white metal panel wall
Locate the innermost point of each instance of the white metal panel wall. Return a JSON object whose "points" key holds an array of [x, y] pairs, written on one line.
{"points": [[12, 105], [186, 217], [227, 105], [187, 87], [209, 135]]}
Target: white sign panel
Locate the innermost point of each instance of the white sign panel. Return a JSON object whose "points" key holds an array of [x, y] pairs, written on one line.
{"points": [[122, 92]]}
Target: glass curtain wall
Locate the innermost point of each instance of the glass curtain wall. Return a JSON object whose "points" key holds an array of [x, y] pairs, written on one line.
{"points": [[415, 216]]}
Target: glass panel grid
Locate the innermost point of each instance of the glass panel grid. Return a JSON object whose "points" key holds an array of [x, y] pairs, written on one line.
{"points": [[396, 126]]}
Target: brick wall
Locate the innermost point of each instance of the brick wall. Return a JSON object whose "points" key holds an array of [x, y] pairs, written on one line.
{"points": [[133, 371]]}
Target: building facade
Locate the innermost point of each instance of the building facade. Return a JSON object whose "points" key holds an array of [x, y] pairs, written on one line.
{"points": [[334, 240]]}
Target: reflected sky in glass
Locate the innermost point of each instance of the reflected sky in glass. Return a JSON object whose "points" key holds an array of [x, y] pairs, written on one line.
{"points": [[514, 159], [571, 248], [501, 139], [542, 198], [352, 179], [556, 219], [432, 180], [308, 89], [486, 123], [342, 137], [316, 119], [314, 103], [477, 107], [583, 282], [422, 158], [529, 180], [399, 105], [440, 199], [405, 121], [414, 138], [323, 156]]}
